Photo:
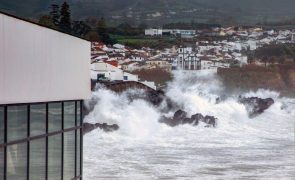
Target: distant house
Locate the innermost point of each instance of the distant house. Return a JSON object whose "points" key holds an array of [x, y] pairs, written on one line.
{"points": [[160, 64], [105, 71], [175, 32], [153, 32], [129, 66], [187, 59]]}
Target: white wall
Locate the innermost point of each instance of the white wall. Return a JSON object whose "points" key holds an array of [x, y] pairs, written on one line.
{"points": [[111, 72], [130, 77], [38, 64]]}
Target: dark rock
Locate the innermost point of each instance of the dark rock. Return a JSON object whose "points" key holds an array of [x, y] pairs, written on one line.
{"points": [[196, 118], [180, 118], [180, 115], [87, 127], [107, 128], [210, 121], [155, 97], [256, 106]]}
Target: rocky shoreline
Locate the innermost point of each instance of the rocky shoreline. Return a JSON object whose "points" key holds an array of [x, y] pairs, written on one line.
{"points": [[254, 105]]}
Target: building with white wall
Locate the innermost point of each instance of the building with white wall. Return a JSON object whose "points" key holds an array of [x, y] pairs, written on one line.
{"points": [[153, 32], [105, 71], [44, 78]]}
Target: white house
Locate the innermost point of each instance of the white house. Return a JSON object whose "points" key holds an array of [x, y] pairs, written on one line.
{"points": [[153, 32], [105, 71]]}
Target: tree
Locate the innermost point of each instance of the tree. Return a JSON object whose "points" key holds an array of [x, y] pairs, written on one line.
{"points": [[103, 32], [65, 18], [80, 28], [47, 21], [92, 36], [101, 26], [54, 14]]}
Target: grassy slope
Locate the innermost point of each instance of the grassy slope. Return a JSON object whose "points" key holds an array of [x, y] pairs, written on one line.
{"points": [[279, 78]]}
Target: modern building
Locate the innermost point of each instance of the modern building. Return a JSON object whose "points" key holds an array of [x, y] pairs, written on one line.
{"points": [[44, 78], [171, 32]]}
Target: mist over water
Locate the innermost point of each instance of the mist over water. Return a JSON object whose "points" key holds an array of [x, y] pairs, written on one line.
{"points": [[238, 148]]}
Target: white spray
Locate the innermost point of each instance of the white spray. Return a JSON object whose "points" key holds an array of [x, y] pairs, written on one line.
{"points": [[143, 148]]}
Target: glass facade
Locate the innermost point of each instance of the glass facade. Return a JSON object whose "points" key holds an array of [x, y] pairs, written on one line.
{"points": [[41, 141], [17, 117]]}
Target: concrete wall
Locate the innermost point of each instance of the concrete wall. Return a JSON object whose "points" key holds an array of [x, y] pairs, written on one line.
{"points": [[38, 64]]}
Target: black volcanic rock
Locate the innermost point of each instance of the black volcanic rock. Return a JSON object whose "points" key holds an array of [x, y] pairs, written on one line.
{"points": [[180, 115], [196, 118], [180, 118], [88, 127], [210, 120], [256, 106], [107, 128], [155, 97]]}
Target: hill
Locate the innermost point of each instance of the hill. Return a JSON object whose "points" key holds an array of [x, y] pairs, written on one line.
{"points": [[157, 12]]}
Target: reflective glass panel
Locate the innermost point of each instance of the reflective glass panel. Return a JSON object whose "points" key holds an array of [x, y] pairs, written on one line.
{"points": [[37, 159], [69, 114], [54, 117], [17, 162], [37, 119], [54, 157], [78, 113], [17, 122], [1, 125], [78, 152], [69, 155], [1, 163]]}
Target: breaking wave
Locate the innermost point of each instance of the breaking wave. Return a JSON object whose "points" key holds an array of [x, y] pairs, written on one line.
{"points": [[143, 148]]}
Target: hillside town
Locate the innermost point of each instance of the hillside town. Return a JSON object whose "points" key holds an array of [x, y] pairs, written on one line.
{"points": [[200, 50]]}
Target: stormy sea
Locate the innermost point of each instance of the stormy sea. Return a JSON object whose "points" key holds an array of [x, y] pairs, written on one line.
{"points": [[238, 144]]}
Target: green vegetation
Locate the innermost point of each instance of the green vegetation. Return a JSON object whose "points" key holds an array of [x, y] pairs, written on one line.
{"points": [[277, 77], [143, 41], [275, 53], [158, 12]]}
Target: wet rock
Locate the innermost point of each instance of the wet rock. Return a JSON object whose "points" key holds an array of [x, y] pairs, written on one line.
{"points": [[107, 128], [155, 97], [256, 106], [180, 118], [196, 118], [88, 127], [180, 115], [210, 121]]}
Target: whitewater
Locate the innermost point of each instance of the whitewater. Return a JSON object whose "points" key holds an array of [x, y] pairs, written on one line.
{"points": [[238, 148]]}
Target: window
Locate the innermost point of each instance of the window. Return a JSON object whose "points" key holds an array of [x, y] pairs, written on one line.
{"points": [[54, 117], [125, 78], [17, 122], [1, 125], [37, 119], [17, 161], [69, 114], [78, 153], [69, 155], [79, 119], [1, 163], [44, 141], [54, 157], [37, 159]]}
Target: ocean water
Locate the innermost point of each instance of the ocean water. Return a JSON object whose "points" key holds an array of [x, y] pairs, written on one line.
{"points": [[238, 148]]}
